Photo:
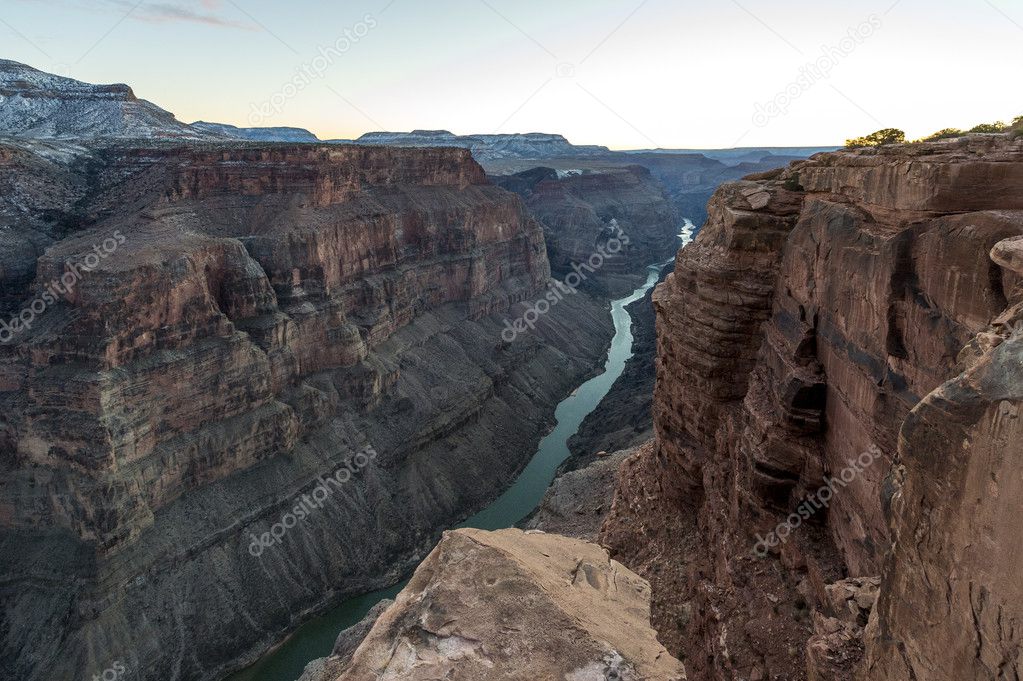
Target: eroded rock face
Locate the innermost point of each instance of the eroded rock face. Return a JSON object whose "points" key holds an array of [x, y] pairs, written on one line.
{"points": [[257, 320], [952, 596], [514, 605], [812, 334], [581, 212], [579, 500]]}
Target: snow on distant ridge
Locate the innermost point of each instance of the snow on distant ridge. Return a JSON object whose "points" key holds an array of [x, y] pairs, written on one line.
{"points": [[39, 105], [42, 105]]}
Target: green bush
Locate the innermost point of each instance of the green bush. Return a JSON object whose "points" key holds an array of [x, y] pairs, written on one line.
{"points": [[1016, 131], [990, 127], [947, 133], [877, 139]]}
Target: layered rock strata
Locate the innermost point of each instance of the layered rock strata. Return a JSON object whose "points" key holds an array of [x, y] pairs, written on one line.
{"points": [[583, 211], [811, 340], [952, 598], [260, 379]]}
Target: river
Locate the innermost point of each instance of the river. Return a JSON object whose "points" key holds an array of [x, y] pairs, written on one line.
{"points": [[316, 638]]}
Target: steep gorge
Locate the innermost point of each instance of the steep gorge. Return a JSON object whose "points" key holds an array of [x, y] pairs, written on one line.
{"points": [[262, 316], [812, 337]]}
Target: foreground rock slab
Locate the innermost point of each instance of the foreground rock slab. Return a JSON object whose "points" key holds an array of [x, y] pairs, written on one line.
{"points": [[516, 605]]}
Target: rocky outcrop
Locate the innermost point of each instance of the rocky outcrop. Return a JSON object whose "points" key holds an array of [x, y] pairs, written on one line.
{"points": [[817, 423], [836, 646], [582, 212], [244, 382], [330, 667], [514, 605], [579, 500]]}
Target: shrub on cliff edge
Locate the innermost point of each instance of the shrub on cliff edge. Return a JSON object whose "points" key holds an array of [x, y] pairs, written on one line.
{"points": [[990, 127], [877, 139], [947, 133], [1016, 131]]}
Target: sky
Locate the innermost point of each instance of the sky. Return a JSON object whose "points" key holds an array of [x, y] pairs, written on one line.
{"points": [[623, 73]]}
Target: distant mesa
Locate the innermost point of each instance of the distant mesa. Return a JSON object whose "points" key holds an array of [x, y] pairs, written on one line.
{"points": [[280, 134], [39, 105], [533, 145]]}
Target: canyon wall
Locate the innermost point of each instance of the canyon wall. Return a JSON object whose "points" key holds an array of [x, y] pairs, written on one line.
{"points": [[248, 381], [582, 211], [686, 178], [823, 440]]}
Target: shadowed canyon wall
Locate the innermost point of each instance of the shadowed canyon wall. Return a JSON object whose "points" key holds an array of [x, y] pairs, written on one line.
{"points": [[582, 211], [219, 335]]}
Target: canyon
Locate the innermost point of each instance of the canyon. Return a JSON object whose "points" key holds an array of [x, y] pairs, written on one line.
{"points": [[206, 339], [259, 319], [850, 324], [581, 213], [244, 379]]}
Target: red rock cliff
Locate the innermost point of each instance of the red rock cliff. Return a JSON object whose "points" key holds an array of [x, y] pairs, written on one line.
{"points": [[254, 316], [814, 332]]}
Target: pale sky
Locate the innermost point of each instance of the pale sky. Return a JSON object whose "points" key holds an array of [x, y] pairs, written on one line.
{"points": [[623, 73]]}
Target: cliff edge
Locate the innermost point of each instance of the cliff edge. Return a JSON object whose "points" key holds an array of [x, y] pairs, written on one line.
{"points": [[835, 466], [514, 605]]}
